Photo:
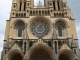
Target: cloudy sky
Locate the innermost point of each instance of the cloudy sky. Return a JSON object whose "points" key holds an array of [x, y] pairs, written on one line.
{"points": [[5, 8]]}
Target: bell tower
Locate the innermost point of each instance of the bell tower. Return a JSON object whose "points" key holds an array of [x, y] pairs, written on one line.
{"points": [[40, 32]]}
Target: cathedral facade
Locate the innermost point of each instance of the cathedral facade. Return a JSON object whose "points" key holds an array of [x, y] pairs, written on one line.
{"points": [[40, 32]]}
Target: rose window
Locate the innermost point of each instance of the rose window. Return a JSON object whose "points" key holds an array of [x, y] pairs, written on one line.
{"points": [[40, 29]]}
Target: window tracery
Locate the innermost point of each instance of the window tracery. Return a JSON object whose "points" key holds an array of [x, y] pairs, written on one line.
{"points": [[60, 28], [40, 29], [19, 28]]}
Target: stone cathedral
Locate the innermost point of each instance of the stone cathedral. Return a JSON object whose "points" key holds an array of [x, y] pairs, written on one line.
{"points": [[40, 32]]}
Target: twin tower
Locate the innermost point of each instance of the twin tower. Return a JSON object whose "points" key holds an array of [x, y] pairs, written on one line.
{"points": [[40, 32]]}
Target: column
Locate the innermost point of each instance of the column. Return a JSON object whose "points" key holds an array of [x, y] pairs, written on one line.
{"points": [[60, 5], [38, 12], [61, 42], [57, 46], [26, 34], [56, 5], [46, 3], [18, 5], [23, 47], [22, 6], [41, 12], [68, 32], [53, 46], [32, 12], [27, 45], [32, 3]]}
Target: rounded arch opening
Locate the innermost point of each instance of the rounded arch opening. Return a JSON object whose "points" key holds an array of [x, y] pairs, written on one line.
{"points": [[19, 27], [39, 18], [40, 26], [40, 52], [62, 22], [66, 55], [15, 56], [17, 22], [61, 27]]}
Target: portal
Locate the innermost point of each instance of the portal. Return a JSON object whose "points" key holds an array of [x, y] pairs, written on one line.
{"points": [[40, 54]]}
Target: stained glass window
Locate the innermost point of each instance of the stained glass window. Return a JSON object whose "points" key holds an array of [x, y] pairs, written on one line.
{"points": [[40, 29], [59, 30], [19, 31]]}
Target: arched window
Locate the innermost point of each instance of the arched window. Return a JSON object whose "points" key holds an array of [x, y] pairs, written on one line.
{"points": [[60, 30], [20, 28]]}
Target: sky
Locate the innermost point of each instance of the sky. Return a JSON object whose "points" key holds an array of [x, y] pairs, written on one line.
{"points": [[5, 8]]}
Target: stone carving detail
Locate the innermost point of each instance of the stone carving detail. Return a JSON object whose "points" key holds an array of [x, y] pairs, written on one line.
{"points": [[40, 54], [65, 47], [15, 47]]}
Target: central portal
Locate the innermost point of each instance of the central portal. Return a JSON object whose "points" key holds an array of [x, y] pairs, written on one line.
{"points": [[40, 54]]}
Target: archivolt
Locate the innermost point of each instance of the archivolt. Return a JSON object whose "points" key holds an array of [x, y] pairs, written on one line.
{"points": [[40, 47], [40, 18], [16, 21], [66, 54], [63, 21], [13, 53]]}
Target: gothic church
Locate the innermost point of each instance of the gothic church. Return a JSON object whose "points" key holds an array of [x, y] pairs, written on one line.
{"points": [[40, 32]]}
